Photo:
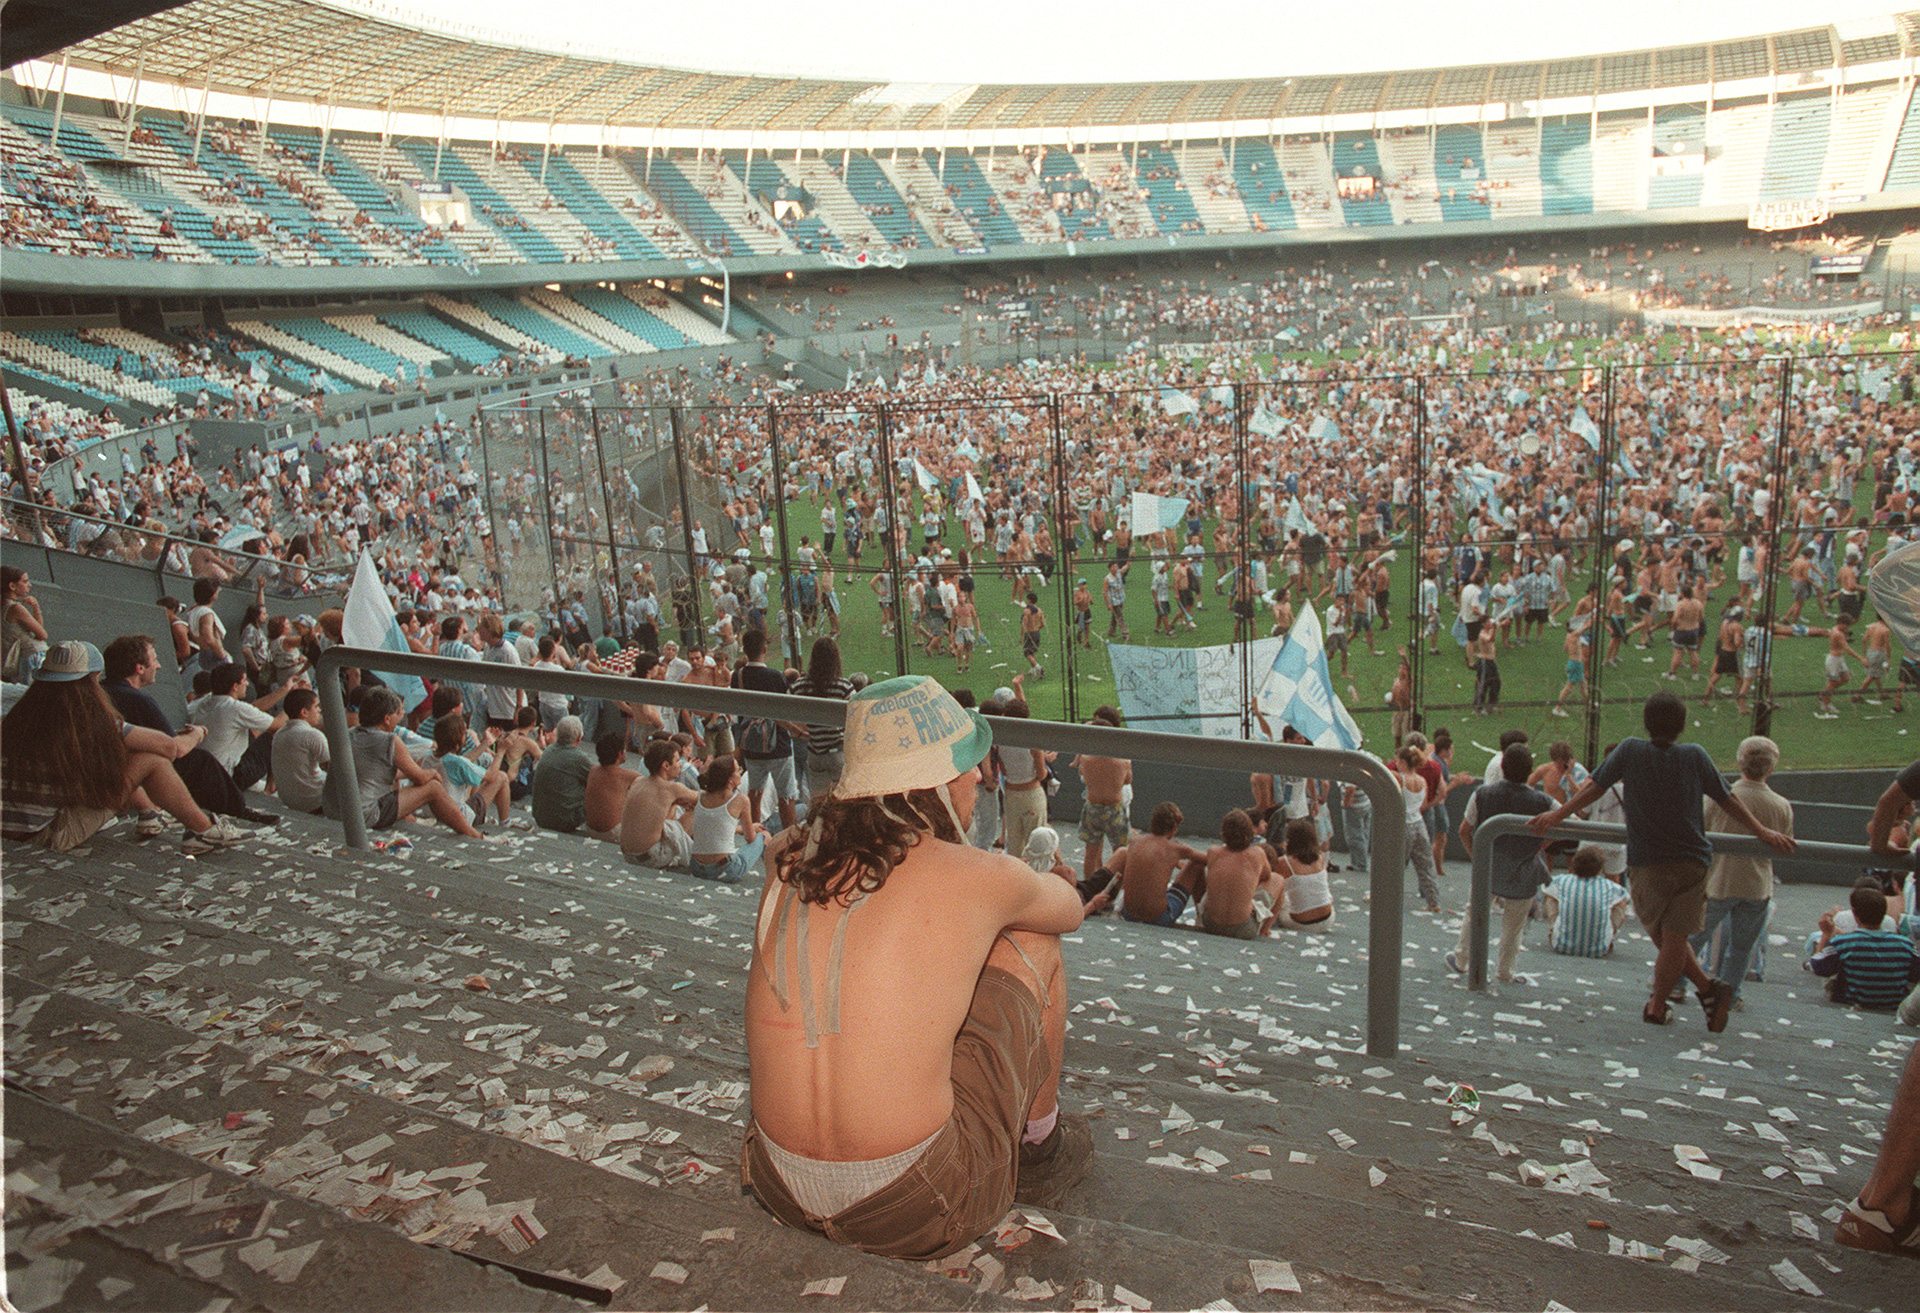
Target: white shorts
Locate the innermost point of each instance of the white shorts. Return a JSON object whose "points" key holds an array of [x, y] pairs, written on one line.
{"points": [[1836, 666]]}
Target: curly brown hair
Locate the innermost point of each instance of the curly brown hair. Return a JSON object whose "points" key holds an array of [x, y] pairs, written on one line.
{"points": [[863, 839]]}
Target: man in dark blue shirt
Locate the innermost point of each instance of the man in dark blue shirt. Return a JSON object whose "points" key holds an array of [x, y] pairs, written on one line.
{"points": [[129, 666], [1665, 783]]}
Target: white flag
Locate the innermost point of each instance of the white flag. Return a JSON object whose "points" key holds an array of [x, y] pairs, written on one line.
{"points": [[1151, 513], [1299, 688], [924, 476], [1177, 402], [370, 622]]}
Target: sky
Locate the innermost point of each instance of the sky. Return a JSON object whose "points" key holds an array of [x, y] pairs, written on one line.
{"points": [[1008, 41]]}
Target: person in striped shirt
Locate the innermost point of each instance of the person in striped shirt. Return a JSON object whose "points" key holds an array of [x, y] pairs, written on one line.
{"points": [[1871, 967], [1584, 910]]}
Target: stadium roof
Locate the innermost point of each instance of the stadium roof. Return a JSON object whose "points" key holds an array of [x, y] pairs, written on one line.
{"points": [[314, 51]]}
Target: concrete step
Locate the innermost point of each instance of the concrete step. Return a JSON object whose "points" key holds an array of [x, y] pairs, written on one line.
{"points": [[291, 978]]}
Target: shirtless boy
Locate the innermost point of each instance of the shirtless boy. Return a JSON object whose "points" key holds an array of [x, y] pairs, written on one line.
{"points": [[1236, 869], [607, 787], [650, 829], [1155, 892], [905, 1085]]}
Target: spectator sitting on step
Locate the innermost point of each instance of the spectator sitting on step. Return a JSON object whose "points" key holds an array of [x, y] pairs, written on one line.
{"points": [[240, 733], [1584, 912], [1042, 853], [560, 779], [651, 833], [1237, 875], [607, 786], [71, 762], [469, 780], [1305, 899], [718, 823], [1153, 871], [381, 762], [130, 667], [301, 754], [1873, 966]]}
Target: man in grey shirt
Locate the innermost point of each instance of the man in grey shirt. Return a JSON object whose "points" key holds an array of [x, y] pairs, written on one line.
{"points": [[300, 754]]}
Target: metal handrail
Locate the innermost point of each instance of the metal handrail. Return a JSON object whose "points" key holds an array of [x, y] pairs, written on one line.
{"points": [[1384, 913], [1480, 897], [19, 510]]}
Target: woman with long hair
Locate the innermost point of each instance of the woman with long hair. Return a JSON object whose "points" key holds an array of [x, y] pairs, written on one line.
{"points": [[68, 762], [826, 744]]}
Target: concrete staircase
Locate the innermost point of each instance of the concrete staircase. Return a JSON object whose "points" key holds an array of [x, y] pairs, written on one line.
{"points": [[526, 1059]]}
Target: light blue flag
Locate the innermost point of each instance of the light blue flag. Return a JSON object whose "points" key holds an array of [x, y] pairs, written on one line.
{"points": [[1894, 586], [924, 476], [1582, 424], [967, 451], [1222, 393], [1264, 422], [370, 622], [1323, 430], [1150, 513], [1299, 688], [1176, 402], [1297, 520]]}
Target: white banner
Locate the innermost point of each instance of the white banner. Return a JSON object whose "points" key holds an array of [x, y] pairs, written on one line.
{"points": [[1764, 315], [1185, 684], [865, 259], [1779, 216]]}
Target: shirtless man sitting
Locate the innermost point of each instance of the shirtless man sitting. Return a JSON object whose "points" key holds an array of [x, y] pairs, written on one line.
{"points": [[905, 1086], [1151, 890], [1235, 869], [650, 829], [607, 787], [1103, 819]]}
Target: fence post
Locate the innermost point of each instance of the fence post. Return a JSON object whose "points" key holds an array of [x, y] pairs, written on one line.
{"points": [[1770, 580], [675, 417]]}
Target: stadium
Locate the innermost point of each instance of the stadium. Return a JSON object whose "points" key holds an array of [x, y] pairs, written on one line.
{"points": [[1109, 391]]}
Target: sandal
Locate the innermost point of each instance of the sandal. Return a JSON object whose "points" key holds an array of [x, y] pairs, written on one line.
{"points": [[1716, 1000], [1657, 1012], [1863, 1228]]}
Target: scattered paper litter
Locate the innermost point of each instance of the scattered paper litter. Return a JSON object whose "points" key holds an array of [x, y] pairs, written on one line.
{"points": [[718, 1233], [1121, 1295], [665, 1271], [829, 1286], [1026, 1288], [1272, 1274], [1342, 1139], [1376, 1176], [1793, 1278]]}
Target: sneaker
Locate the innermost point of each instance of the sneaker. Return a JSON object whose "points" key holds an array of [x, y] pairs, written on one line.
{"points": [[1518, 978], [1866, 1228], [221, 834], [1560, 712], [149, 825], [1453, 965], [1054, 1166]]}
